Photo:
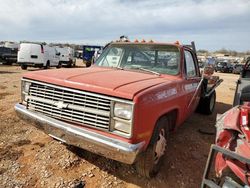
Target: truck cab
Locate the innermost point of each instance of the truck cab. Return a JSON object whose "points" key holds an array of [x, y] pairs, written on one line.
{"points": [[125, 105]]}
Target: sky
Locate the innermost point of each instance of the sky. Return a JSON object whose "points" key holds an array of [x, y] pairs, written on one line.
{"points": [[212, 24]]}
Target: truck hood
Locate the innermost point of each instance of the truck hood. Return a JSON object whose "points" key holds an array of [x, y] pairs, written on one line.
{"points": [[112, 82]]}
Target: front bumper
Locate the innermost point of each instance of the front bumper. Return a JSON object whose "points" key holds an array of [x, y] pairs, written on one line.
{"points": [[80, 137]]}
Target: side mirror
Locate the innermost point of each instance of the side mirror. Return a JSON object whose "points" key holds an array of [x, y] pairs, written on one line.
{"points": [[245, 94], [58, 53]]}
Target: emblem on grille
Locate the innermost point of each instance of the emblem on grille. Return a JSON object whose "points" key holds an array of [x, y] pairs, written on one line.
{"points": [[61, 104]]}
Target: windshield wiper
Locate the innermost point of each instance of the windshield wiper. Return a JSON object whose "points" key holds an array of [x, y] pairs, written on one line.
{"points": [[147, 70]]}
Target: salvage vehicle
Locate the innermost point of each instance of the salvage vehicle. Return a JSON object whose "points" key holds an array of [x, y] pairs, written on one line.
{"points": [[66, 57], [237, 68], [31, 54], [8, 53], [90, 53], [224, 67], [125, 105], [231, 152], [242, 83]]}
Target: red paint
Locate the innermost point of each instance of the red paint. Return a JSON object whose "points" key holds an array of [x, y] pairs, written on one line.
{"points": [[234, 135], [240, 170], [232, 120]]}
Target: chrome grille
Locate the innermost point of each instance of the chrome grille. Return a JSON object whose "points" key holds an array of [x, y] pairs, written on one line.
{"points": [[71, 105]]}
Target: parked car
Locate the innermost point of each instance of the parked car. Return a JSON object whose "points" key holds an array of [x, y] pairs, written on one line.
{"points": [[224, 67], [125, 105], [242, 83], [66, 57], [8, 55], [37, 55], [90, 53], [237, 68], [8, 52]]}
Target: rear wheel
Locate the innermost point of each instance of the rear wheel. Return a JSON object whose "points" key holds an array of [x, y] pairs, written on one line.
{"points": [[24, 67], [59, 65], [88, 63], [150, 161], [207, 104], [47, 66]]}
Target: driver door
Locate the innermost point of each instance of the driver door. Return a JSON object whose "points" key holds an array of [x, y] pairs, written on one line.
{"points": [[191, 82]]}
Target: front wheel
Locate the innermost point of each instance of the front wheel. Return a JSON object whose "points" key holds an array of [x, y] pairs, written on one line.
{"points": [[24, 67], [150, 161]]}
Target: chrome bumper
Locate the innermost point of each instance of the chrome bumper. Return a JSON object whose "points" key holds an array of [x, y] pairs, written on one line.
{"points": [[80, 137]]}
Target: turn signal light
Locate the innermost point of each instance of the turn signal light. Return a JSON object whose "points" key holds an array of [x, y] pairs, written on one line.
{"points": [[244, 122], [244, 117]]}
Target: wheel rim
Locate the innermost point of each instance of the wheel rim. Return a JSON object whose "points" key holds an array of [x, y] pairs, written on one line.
{"points": [[160, 146], [211, 105]]}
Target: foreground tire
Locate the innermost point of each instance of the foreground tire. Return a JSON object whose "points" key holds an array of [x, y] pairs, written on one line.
{"points": [[207, 104], [150, 161], [24, 67]]}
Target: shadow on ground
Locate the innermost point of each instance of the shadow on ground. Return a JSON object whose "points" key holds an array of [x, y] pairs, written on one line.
{"points": [[186, 157]]}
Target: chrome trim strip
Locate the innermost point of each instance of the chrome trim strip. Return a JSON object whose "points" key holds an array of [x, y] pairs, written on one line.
{"points": [[103, 145]]}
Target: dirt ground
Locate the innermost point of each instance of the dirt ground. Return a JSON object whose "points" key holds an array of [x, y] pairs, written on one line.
{"points": [[30, 158]]}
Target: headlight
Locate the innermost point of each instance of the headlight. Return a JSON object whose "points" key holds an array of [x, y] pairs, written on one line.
{"points": [[25, 89], [122, 126], [123, 110], [122, 118]]}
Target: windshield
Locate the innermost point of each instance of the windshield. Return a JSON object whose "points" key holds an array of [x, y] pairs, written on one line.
{"points": [[162, 59]]}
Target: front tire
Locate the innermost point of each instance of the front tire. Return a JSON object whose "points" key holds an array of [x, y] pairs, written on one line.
{"points": [[24, 67], [150, 161]]}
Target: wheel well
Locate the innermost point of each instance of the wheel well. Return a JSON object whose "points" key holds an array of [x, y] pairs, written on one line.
{"points": [[173, 114]]}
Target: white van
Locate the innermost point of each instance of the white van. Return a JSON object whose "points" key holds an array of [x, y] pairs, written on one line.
{"points": [[37, 55], [66, 56]]}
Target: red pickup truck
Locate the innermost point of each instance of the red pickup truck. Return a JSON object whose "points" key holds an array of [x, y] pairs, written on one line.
{"points": [[124, 106]]}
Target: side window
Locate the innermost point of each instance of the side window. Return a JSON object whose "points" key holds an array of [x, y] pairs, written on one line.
{"points": [[190, 64]]}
